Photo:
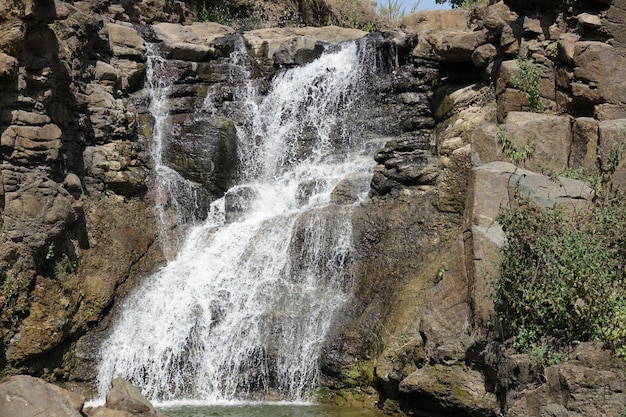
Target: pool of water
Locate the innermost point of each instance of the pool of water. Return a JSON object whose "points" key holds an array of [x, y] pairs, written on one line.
{"points": [[265, 410]]}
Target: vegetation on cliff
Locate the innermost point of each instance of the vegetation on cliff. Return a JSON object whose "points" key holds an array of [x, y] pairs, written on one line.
{"points": [[564, 275]]}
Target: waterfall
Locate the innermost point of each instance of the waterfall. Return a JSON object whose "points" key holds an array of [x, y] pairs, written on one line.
{"points": [[243, 310], [176, 197]]}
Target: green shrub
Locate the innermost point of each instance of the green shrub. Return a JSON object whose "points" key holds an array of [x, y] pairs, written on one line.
{"points": [[528, 80], [511, 152], [563, 277]]}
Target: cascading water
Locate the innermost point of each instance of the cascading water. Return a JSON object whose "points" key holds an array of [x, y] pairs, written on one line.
{"points": [[176, 197], [244, 309]]}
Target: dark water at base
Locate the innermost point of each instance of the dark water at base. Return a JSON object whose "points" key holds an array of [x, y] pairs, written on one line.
{"points": [[267, 410]]}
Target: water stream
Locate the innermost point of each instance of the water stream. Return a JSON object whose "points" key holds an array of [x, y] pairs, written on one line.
{"points": [[243, 310]]}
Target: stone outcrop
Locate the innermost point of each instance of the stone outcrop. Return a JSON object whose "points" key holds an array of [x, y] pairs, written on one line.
{"points": [[25, 396], [76, 181]]}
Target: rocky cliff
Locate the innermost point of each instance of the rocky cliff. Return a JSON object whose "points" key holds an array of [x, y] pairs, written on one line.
{"points": [[76, 189]]}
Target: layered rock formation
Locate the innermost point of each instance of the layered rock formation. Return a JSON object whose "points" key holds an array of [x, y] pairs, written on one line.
{"points": [[76, 183]]}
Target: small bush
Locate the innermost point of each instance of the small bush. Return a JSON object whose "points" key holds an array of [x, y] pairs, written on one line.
{"points": [[511, 152], [563, 279], [528, 80]]}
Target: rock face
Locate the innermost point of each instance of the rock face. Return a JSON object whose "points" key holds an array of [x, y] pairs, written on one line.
{"points": [[77, 181]]}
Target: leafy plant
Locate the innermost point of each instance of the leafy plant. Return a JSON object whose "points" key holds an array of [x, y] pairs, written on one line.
{"points": [[511, 151], [64, 267], [528, 80], [7, 289], [563, 279], [553, 50], [203, 13], [50, 252]]}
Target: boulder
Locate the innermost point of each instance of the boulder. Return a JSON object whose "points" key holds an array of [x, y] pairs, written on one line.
{"points": [[484, 54], [453, 46], [498, 15], [125, 42], [203, 149], [119, 166], [125, 397], [599, 75], [8, 66], [31, 143], [546, 133], [492, 187], [351, 188], [297, 51], [614, 22], [449, 390], [589, 383], [25, 396], [436, 20], [264, 43], [193, 42], [238, 201], [589, 20]]}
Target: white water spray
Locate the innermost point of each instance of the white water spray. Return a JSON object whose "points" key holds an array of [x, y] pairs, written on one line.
{"points": [[244, 309]]}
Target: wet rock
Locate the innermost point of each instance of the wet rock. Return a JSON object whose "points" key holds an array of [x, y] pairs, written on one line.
{"points": [[297, 51], [125, 397], [238, 201], [351, 188], [204, 149], [264, 43]]}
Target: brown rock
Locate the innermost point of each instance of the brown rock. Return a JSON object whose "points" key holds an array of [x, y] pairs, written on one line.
{"points": [[436, 20], [452, 184], [599, 74], [25, 396], [192, 42], [498, 15], [584, 144], [485, 144], [612, 137], [547, 133], [591, 381], [125, 42], [263, 43], [446, 310], [8, 65], [484, 54], [614, 24], [456, 46], [125, 397], [449, 389], [589, 20]]}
